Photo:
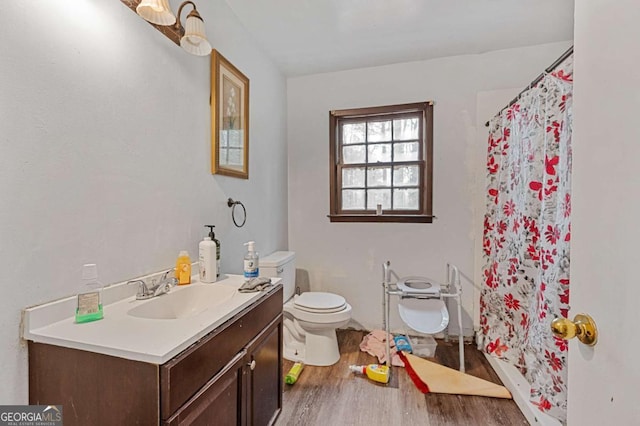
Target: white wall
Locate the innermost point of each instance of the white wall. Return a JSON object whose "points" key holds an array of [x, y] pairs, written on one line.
{"points": [[346, 258], [105, 153]]}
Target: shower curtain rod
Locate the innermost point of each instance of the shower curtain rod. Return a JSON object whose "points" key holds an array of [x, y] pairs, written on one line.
{"points": [[549, 69]]}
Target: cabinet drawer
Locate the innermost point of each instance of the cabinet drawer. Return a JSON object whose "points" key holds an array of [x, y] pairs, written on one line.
{"points": [[187, 373], [217, 401]]}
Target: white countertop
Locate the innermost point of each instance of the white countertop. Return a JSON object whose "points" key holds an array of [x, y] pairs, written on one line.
{"points": [[120, 334]]}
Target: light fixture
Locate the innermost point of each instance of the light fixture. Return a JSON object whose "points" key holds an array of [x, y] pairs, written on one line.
{"points": [[156, 11], [193, 38]]}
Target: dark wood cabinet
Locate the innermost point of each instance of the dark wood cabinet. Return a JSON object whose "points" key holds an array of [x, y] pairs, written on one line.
{"points": [[218, 402], [232, 376], [263, 375]]}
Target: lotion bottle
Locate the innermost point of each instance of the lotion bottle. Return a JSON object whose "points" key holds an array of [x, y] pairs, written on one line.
{"points": [[89, 306], [207, 260], [251, 269]]}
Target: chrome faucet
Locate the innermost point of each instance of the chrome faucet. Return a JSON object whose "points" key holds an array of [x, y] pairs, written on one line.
{"points": [[156, 289]]}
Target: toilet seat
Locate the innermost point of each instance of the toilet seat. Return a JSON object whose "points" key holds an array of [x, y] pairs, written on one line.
{"points": [[420, 285], [429, 316], [320, 303], [326, 308]]}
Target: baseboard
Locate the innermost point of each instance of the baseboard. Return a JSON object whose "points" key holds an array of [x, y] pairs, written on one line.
{"points": [[520, 388]]}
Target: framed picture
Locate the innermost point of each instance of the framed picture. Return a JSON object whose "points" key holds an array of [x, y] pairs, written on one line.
{"points": [[229, 119]]}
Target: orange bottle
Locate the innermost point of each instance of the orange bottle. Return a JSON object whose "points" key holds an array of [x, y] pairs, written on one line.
{"points": [[183, 268]]}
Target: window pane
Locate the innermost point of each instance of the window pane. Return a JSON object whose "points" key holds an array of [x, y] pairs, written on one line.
{"points": [[353, 178], [406, 199], [378, 196], [234, 156], [379, 153], [406, 129], [353, 199], [379, 176], [234, 137], [408, 151], [406, 176], [353, 154], [353, 133], [379, 131], [380, 159]]}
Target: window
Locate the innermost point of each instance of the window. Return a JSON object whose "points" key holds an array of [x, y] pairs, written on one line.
{"points": [[382, 164]]}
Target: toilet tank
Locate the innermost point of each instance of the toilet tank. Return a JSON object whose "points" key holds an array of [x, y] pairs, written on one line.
{"points": [[281, 264]]}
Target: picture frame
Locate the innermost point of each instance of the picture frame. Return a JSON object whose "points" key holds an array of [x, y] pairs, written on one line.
{"points": [[229, 118]]}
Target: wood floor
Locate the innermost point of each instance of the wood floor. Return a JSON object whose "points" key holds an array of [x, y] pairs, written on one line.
{"points": [[332, 396]]}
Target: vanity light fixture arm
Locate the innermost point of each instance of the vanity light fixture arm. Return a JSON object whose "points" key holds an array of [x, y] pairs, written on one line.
{"points": [[178, 25]]}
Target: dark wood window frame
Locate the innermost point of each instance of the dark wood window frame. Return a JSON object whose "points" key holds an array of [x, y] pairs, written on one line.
{"points": [[424, 212]]}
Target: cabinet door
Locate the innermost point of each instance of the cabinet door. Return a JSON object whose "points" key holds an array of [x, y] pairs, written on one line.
{"points": [[93, 389], [264, 376], [218, 402]]}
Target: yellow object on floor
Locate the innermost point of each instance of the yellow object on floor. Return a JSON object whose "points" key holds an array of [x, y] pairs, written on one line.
{"points": [[376, 372], [429, 376], [294, 373]]}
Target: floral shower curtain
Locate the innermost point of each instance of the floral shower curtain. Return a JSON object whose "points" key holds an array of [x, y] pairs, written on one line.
{"points": [[527, 230]]}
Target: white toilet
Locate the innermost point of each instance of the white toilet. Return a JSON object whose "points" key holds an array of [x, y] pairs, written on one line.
{"points": [[311, 318]]}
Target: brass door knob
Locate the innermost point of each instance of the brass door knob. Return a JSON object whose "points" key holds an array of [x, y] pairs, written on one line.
{"points": [[582, 326]]}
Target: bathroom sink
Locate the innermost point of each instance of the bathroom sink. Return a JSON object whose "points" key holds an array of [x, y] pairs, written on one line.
{"points": [[184, 302]]}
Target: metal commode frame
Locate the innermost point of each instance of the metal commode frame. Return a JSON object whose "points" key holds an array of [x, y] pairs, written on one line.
{"points": [[391, 289]]}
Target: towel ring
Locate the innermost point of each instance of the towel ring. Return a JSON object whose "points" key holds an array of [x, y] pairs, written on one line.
{"points": [[232, 204]]}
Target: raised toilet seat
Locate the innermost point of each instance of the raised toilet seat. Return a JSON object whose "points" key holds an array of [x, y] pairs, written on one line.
{"points": [[427, 315]]}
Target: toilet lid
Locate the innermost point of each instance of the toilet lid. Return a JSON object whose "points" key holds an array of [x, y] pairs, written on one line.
{"points": [[428, 316], [319, 302], [419, 285]]}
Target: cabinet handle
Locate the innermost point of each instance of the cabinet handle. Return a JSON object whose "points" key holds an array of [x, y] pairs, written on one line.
{"points": [[252, 364], [280, 270]]}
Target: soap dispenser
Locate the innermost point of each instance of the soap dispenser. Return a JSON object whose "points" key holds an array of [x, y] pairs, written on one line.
{"points": [[212, 235], [251, 269]]}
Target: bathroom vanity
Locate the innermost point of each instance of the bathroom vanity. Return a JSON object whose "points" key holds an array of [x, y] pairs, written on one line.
{"points": [[232, 375]]}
